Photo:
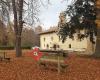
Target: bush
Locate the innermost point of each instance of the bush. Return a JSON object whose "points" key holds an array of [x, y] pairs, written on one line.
{"points": [[26, 47], [6, 47], [13, 47]]}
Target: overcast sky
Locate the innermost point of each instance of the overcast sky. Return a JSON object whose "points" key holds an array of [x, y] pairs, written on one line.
{"points": [[49, 15]]}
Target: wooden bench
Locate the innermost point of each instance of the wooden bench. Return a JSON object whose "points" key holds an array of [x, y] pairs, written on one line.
{"points": [[53, 64], [3, 56]]}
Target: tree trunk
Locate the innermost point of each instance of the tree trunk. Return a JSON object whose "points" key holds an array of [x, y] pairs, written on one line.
{"points": [[97, 49], [20, 16], [20, 26], [18, 46], [17, 29]]}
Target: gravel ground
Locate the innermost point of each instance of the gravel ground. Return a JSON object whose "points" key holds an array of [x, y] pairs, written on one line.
{"points": [[24, 68]]}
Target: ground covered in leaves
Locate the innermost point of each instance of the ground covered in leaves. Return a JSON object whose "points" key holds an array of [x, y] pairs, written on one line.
{"points": [[25, 68]]}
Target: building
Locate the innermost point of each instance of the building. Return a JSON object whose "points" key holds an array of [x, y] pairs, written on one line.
{"points": [[49, 39]]}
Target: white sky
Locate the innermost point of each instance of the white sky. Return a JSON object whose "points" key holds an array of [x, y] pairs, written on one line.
{"points": [[49, 16]]}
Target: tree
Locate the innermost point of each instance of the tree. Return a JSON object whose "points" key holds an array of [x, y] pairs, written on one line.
{"points": [[3, 34], [18, 24], [20, 9], [97, 51], [10, 34], [81, 16], [29, 38]]}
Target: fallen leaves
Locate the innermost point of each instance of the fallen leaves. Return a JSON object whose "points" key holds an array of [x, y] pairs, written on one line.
{"points": [[24, 68]]}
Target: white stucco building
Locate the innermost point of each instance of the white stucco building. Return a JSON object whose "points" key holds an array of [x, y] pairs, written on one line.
{"points": [[49, 38]]}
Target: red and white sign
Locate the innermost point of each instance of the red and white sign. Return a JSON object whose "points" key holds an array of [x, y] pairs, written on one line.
{"points": [[36, 54]]}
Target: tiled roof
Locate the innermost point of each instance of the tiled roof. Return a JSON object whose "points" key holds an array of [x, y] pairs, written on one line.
{"points": [[51, 30]]}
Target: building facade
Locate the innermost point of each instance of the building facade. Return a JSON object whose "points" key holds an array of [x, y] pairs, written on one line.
{"points": [[49, 39]]}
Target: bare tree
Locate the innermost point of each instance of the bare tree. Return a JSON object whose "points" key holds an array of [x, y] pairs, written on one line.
{"points": [[10, 34], [18, 24], [3, 34], [21, 10], [29, 38]]}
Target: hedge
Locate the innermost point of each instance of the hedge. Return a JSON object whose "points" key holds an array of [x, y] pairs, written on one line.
{"points": [[12, 47]]}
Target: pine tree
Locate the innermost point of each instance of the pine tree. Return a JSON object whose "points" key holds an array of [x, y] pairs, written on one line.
{"points": [[82, 16]]}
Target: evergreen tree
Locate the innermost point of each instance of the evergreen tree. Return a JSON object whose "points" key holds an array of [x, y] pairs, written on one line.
{"points": [[82, 16]]}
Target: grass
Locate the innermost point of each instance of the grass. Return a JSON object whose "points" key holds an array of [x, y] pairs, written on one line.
{"points": [[54, 57]]}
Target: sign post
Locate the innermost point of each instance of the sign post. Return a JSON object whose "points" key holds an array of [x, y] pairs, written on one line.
{"points": [[58, 62], [58, 65], [36, 54]]}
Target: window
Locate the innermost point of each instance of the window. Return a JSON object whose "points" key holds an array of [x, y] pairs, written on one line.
{"points": [[69, 45], [54, 46], [47, 46], [44, 39], [58, 46], [59, 38], [52, 38]]}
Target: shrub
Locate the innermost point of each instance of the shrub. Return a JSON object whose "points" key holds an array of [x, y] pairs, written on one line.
{"points": [[6, 47], [13, 47]]}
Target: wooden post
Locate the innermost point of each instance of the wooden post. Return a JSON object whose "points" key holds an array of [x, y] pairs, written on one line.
{"points": [[4, 55], [58, 63]]}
